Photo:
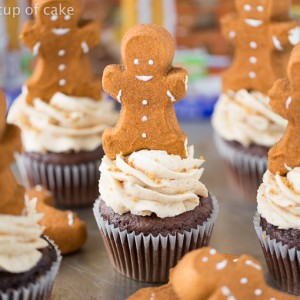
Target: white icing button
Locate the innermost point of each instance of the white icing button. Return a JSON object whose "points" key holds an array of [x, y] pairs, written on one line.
{"points": [[232, 34], [144, 118], [62, 82], [61, 52], [144, 135], [243, 280], [67, 17], [253, 60], [253, 45], [54, 18], [260, 8], [212, 251], [144, 102], [136, 61], [257, 292], [61, 67], [252, 75], [247, 7], [205, 259], [151, 62]]}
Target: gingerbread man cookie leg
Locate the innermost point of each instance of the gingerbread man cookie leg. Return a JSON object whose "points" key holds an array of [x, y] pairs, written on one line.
{"points": [[147, 86]]}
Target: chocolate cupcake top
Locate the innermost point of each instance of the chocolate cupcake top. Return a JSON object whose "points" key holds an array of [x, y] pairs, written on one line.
{"points": [[64, 124], [247, 118], [20, 240], [151, 181], [279, 199]]}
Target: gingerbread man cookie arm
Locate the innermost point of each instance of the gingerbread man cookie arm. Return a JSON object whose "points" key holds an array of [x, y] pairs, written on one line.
{"points": [[111, 81], [285, 35], [280, 96], [30, 37], [177, 80], [90, 36], [229, 27]]}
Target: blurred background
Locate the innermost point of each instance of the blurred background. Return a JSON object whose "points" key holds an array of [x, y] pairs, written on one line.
{"points": [[201, 49]]}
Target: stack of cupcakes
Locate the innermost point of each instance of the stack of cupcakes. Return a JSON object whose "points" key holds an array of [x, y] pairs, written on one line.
{"points": [[61, 111], [153, 208], [244, 123], [277, 222]]}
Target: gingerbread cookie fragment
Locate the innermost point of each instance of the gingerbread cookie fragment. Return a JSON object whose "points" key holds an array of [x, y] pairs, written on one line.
{"points": [[147, 86], [61, 45], [262, 35], [206, 274]]}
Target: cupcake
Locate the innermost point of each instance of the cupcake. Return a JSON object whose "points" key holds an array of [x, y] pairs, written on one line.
{"points": [[153, 208], [206, 274], [277, 221], [245, 126], [61, 112], [29, 262]]}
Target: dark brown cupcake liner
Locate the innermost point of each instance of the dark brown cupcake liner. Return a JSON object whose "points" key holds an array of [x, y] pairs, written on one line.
{"points": [[149, 258], [42, 288], [283, 263], [246, 171], [72, 185]]}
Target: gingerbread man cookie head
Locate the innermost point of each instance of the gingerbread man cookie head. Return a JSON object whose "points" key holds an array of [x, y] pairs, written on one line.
{"points": [[263, 10], [59, 15], [147, 51]]}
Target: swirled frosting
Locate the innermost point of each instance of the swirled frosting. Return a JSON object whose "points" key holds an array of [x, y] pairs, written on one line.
{"points": [[20, 240], [279, 199], [248, 119], [149, 181], [62, 125]]}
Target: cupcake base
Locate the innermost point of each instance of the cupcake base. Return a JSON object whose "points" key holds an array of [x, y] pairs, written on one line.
{"points": [[71, 177], [148, 257], [35, 284], [246, 166], [283, 260]]}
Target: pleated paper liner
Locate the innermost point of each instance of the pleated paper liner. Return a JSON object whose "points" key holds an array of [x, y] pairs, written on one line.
{"points": [[39, 290], [283, 263], [71, 185], [149, 258], [246, 171]]}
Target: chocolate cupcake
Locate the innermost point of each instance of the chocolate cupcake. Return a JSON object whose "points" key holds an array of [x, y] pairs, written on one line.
{"points": [[277, 222], [244, 123], [278, 228], [28, 262], [153, 208], [61, 112]]}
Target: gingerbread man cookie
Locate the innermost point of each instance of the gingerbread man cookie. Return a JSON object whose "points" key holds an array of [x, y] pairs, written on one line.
{"points": [[206, 274], [147, 86], [61, 46], [262, 35], [285, 100]]}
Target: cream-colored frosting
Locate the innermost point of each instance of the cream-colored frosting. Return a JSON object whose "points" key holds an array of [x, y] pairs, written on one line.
{"points": [[248, 119], [278, 199], [20, 240], [151, 181], [62, 125]]}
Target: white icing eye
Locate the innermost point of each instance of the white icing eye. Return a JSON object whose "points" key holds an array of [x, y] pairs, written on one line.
{"points": [[260, 8], [247, 7], [54, 18], [136, 61], [151, 62], [67, 17]]}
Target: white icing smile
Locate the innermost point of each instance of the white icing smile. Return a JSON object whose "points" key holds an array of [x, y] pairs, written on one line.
{"points": [[61, 31], [144, 78], [254, 22]]}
